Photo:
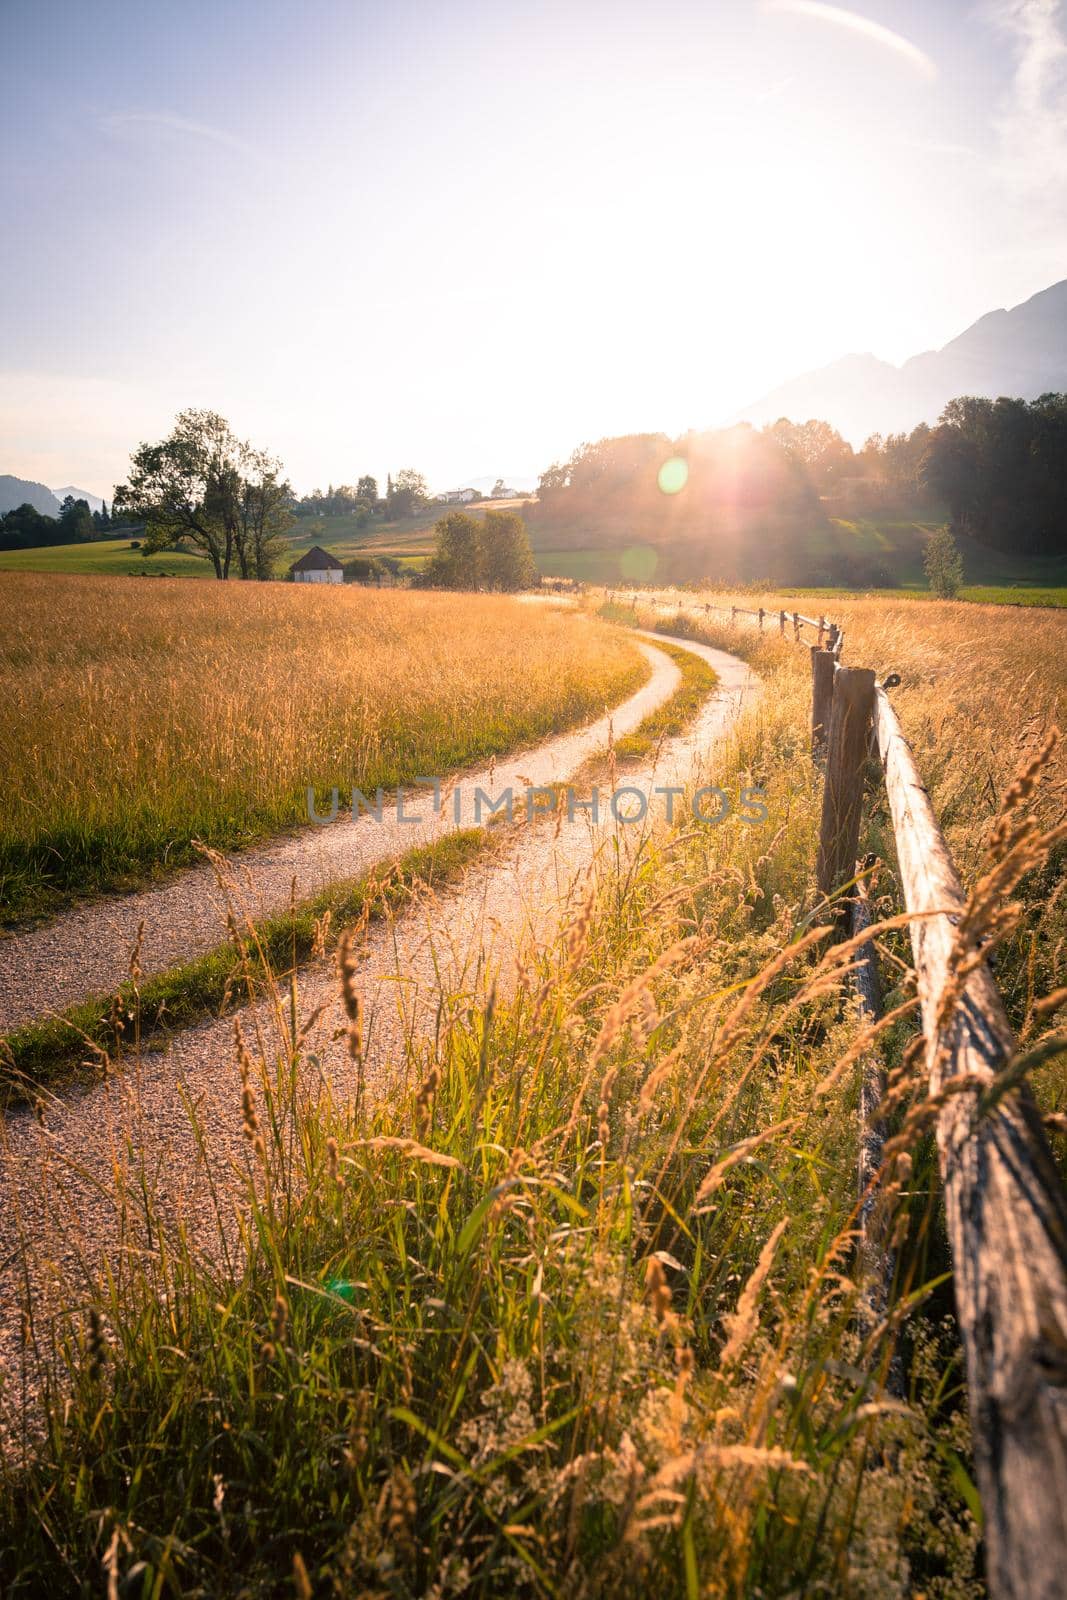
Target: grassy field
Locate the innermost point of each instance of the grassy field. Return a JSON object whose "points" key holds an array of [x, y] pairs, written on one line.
{"points": [[883, 554], [408, 539], [893, 544], [575, 1308], [129, 730], [113, 557]]}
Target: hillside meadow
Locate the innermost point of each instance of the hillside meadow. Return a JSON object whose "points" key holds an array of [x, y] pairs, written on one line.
{"points": [[135, 718], [575, 1309]]}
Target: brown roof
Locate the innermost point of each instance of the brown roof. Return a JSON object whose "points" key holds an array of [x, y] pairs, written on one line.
{"points": [[316, 560]]}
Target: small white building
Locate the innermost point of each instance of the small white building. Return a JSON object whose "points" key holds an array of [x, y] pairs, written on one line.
{"points": [[317, 566]]}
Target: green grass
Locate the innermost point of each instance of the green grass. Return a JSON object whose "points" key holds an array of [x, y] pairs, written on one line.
{"points": [[846, 555], [408, 540], [81, 1037], [106, 556]]}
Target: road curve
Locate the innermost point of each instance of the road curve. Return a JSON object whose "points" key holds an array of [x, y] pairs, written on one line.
{"points": [[86, 951], [60, 1171]]}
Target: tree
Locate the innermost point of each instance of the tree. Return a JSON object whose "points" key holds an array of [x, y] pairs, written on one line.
{"points": [[265, 516], [817, 447], [75, 520], [25, 528], [205, 487], [481, 553], [507, 560], [1002, 467], [407, 493], [943, 564], [367, 489], [456, 562]]}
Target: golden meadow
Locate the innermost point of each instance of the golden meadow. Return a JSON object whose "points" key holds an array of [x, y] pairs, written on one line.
{"points": [[575, 1307], [136, 717]]}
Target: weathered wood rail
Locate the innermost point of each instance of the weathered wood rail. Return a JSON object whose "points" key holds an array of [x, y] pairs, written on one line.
{"points": [[1005, 1205]]}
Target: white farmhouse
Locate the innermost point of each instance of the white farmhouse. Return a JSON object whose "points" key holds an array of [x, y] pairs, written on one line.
{"points": [[317, 566]]}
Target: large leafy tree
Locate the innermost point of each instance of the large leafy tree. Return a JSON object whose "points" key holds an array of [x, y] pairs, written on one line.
{"points": [[1002, 467], [407, 493], [815, 446], [75, 520], [456, 562], [507, 560], [26, 528], [203, 487], [490, 552]]}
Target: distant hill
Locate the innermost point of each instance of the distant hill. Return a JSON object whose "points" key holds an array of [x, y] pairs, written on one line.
{"points": [[16, 492], [93, 501], [1021, 352], [521, 482]]}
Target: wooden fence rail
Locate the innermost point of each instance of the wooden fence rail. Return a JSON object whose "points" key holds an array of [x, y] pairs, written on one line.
{"points": [[1007, 1218], [1005, 1205]]}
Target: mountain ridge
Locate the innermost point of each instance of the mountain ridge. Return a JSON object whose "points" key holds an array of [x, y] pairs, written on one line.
{"points": [[1019, 351], [15, 492]]}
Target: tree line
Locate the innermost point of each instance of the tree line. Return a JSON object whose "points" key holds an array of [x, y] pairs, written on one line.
{"points": [[999, 466], [26, 528], [405, 494]]}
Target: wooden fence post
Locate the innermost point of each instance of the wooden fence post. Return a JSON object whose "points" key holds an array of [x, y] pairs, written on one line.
{"points": [[1005, 1210], [822, 694], [781, 623], [733, 616], [761, 619], [846, 757], [796, 625]]}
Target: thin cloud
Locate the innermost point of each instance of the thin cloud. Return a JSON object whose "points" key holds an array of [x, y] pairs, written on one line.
{"points": [[1032, 122], [117, 121], [875, 31]]}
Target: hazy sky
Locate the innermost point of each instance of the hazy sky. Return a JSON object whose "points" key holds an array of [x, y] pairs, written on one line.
{"points": [[465, 235]]}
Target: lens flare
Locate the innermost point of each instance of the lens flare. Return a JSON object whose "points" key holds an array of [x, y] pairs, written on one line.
{"points": [[673, 475]]}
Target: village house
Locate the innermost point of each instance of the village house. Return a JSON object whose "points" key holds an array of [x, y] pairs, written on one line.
{"points": [[317, 566]]}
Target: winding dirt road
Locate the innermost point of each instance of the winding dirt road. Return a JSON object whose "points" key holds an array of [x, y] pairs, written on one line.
{"points": [[59, 1176], [86, 951]]}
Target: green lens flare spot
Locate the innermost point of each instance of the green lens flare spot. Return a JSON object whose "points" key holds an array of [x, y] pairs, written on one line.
{"points": [[673, 475]]}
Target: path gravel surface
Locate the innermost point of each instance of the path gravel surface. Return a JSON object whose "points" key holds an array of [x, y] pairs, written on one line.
{"points": [[61, 1173]]}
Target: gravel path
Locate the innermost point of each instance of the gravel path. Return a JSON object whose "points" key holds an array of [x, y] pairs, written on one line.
{"points": [[86, 951], [70, 1183]]}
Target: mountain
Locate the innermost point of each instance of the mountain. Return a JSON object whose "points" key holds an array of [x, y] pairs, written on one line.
{"points": [[93, 500], [1021, 352], [16, 492]]}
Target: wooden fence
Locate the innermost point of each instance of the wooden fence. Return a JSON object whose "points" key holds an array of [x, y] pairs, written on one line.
{"points": [[1005, 1206]]}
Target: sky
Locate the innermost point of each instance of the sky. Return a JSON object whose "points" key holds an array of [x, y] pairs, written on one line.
{"points": [[466, 235]]}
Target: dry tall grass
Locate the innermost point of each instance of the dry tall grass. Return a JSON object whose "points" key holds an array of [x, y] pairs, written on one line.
{"points": [[577, 1310], [135, 717]]}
